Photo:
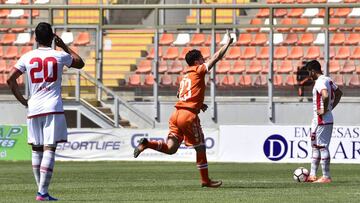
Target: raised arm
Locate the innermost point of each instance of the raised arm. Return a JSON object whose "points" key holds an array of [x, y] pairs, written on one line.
{"points": [[14, 87], [219, 54], [77, 62]]}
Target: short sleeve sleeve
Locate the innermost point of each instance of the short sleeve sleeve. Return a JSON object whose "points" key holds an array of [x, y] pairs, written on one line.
{"points": [[202, 69], [20, 65], [320, 85], [66, 59]]}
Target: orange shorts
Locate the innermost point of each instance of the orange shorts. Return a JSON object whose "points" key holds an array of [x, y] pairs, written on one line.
{"points": [[185, 126]]}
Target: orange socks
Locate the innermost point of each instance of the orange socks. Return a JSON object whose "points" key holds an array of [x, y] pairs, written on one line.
{"points": [[202, 165], [158, 146]]}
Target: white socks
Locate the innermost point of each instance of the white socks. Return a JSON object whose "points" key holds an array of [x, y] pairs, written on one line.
{"points": [[325, 162], [315, 160], [46, 170], [36, 162]]}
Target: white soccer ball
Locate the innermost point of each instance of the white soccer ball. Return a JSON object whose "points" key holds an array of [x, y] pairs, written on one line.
{"points": [[301, 174]]}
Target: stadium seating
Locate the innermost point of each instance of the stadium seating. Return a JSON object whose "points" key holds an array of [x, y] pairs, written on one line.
{"points": [[238, 67]]}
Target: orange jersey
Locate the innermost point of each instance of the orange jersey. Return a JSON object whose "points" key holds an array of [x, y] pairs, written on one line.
{"points": [[192, 88]]}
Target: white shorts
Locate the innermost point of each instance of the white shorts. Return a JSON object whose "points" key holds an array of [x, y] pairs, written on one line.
{"points": [[321, 136], [47, 130]]}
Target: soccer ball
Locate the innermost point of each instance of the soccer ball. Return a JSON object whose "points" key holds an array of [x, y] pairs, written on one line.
{"points": [[301, 174]]}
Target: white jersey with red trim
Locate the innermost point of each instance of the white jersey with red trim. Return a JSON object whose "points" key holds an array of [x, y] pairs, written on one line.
{"points": [[44, 67], [323, 82]]}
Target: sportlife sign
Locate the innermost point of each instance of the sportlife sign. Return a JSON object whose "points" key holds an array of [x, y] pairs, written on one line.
{"points": [[285, 144]]}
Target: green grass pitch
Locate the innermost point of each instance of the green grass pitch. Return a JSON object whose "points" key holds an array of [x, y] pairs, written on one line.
{"points": [[177, 182]]}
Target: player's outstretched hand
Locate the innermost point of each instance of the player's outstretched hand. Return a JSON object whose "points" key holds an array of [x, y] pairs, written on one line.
{"points": [[204, 107], [230, 39], [59, 42]]}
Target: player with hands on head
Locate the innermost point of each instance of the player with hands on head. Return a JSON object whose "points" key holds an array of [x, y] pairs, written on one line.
{"points": [[184, 123], [45, 121]]}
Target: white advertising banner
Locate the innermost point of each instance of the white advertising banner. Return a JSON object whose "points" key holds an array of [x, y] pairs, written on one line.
{"points": [[119, 144], [289, 144]]}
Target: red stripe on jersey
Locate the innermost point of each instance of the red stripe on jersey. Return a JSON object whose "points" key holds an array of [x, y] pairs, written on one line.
{"points": [[44, 114], [318, 102]]}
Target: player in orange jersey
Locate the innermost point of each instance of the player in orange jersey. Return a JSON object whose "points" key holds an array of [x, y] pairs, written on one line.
{"points": [[184, 123]]}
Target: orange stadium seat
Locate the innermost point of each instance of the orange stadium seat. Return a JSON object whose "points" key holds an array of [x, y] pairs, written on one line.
{"points": [[151, 54], [319, 1], [144, 66], [339, 80], [278, 80], [354, 81], [8, 39], [266, 68], [176, 67], [263, 13], [166, 39], [35, 13], [349, 67], [171, 53], [205, 51], [249, 53], [244, 81], [280, 52], [244, 39], [2, 66], [254, 67], [312, 53], [10, 65], [295, 12], [238, 67], [234, 53], [260, 80], [24, 50], [301, 21], [288, 1], [83, 38], [285, 21], [343, 53], [296, 53], [184, 51], [163, 67], [355, 54], [350, 1], [254, 21], [337, 39], [342, 12], [166, 80], [11, 52], [1, 51], [285, 67], [4, 13], [208, 40], [223, 67], [321, 13], [197, 39], [259, 39], [334, 21], [264, 53], [135, 80], [228, 81], [291, 80], [279, 13], [149, 80], [306, 39], [178, 80], [348, 21], [291, 39], [303, 1], [5, 22], [334, 66], [353, 39], [273, 1]]}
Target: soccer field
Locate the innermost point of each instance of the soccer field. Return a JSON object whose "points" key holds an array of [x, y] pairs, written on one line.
{"points": [[177, 182]]}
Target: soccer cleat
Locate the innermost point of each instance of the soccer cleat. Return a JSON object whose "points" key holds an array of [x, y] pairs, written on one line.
{"points": [[44, 197], [323, 180], [311, 179], [212, 183], [141, 146]]}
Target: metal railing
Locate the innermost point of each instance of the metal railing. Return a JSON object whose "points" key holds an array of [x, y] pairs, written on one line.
{"points": [[157, 26]]}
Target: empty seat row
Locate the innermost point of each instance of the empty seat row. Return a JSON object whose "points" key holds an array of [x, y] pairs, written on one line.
{"points": [[14, 52], [196, 39], [251, 67], [309, 1], [309, 12], [4, 76], [280, 52], [25, 2], [18, 13]]}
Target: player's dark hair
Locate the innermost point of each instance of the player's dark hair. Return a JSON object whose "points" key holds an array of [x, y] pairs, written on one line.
{"points": [[313, 65], [44, 33], [192, 56]]}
